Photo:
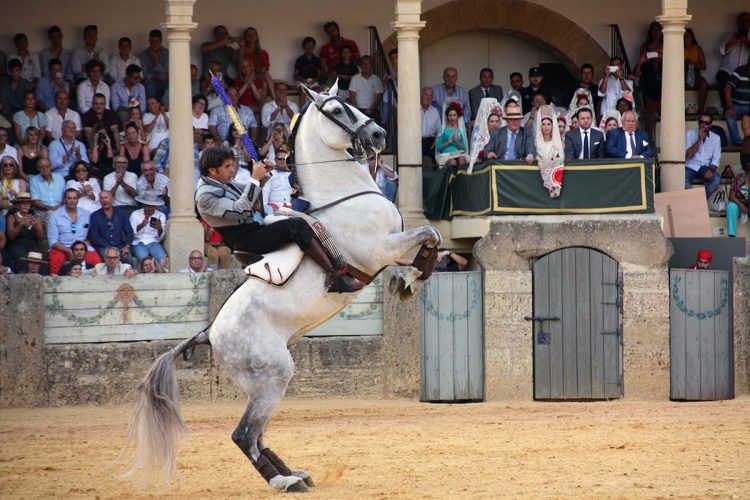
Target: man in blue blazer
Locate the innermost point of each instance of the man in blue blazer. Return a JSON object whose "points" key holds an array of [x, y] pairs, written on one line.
{"points": [[627, 142]]}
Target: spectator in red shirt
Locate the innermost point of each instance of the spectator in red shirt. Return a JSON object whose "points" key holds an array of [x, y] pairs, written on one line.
{"points": [[250, 51], [252, 88], [217, 252], [330, 53]]}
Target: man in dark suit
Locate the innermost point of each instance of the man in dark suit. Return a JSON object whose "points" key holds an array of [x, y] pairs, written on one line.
{"points": [[627, 142], [484, 89], [584, 142], [511, 142]]}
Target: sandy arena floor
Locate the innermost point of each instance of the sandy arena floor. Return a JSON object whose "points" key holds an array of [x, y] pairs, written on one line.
{"points": [[402, 449]]}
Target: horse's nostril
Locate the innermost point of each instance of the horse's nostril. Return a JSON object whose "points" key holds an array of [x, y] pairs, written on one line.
{"points": [[377, 135]]}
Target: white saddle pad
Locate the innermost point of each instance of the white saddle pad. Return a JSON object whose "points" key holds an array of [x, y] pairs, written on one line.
{"points": [[277, 267]]}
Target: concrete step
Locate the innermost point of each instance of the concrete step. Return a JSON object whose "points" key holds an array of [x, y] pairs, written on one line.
{"points": [[712, 100]]}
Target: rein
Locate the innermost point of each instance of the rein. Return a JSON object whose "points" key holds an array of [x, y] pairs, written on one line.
{"points": [[341, 200]]}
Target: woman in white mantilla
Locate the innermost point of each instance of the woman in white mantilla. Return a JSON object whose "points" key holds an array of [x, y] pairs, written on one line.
{"points": [[549, 150], [489, 117]]}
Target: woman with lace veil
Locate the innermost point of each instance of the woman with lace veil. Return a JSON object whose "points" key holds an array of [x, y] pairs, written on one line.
{"points": [[582, 97], [452, 144], [489, 117], [549, 150], [610, 120]]}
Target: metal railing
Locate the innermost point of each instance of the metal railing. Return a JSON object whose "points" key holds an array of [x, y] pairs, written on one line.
{"points": [[381, 68], [618, 49]]}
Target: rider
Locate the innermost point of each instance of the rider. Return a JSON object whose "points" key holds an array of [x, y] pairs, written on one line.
{"points": [[229, 208]]}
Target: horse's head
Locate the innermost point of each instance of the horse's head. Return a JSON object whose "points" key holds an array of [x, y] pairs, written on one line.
{"points": [[341, 125]]}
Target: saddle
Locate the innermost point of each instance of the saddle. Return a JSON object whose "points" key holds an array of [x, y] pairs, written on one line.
{"points": [[275, 268]]}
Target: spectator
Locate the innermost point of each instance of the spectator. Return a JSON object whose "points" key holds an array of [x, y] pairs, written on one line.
{"points": [[488, 120], [155, 123], [330, 53], [627, 142], [484, 89], [307, 68], [648, 71], [581, 98], [119, 63], [610, 121], [30, 71], [196, 263], [31, 151], [703, 262], [56, 51], [624, 104], [346, 68], [195, 81], [136, 116], [155, 185], [62, 113], [149, 266], [102, 153], [251, 88], [431, 124], [217, 252], [739, 205], [449, 90], [451, 144], [25, 231], [88, 188], [234, 142], [516, 82], [34, 263], [161, 156], [200, 118], [585, 142], [562, 125], [654, 40], [47, 189], [390, 82], [12, 182], [76, 269], [276, 139], [549, 150], [250, 50], [536, 86], [91, 86], [537, 101], [703, 155], [734, 50], [128, 92], [511, 142], [448, 261], [112, 265], [5, 148], [384, 176], [219, 120], [110, 227], [745, 148], [149, 228], [133, 150], [695, 62], [13, 88], [66, 225], [155, 64], [89, 52], [66, 150], [122, 185], [50, 84], [221, 51], [586, 81], [28, 117], [613, 86], [277, 191], [78, 256], [281, 110], [737, 96], [100, 118]]}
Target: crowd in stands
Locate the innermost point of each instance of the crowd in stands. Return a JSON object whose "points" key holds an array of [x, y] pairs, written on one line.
{"points": [[84, 133]]}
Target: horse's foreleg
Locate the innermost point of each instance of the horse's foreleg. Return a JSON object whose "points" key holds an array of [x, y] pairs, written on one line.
{"points": [[283, 469], [398, 244]]}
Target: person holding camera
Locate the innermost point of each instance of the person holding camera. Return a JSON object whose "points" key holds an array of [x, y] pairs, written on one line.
{"points": [[613, 86], [149, 228]]}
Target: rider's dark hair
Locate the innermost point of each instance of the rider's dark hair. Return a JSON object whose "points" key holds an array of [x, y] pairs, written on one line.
{"points": [[215, 157]]}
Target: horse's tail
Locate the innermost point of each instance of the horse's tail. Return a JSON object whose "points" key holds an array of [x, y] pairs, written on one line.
{"points": [[157, 424]]}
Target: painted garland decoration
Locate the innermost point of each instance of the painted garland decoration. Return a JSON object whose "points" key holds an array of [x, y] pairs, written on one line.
{"points": [[690, 313]]}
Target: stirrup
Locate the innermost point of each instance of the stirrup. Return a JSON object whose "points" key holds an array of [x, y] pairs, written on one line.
{"points": [[343, 285]]}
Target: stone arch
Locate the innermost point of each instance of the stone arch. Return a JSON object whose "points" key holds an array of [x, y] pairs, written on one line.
{"points": [[538, 25]]}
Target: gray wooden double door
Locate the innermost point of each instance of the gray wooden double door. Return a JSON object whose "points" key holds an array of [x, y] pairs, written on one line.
{"points": [[577, 326], [701, 341]]}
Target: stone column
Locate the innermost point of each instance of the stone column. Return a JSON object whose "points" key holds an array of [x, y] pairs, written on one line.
{"points": [[184, 232], [407, 26], [674, 18]]}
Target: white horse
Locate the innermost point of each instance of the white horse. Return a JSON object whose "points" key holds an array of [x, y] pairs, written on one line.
{"points": [[252, 331]]}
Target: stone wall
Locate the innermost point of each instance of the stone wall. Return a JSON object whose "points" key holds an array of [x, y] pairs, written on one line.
{"points": [[741, 278], [506, 254]]}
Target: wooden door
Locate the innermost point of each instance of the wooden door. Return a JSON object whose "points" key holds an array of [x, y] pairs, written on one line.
{"points": [[577, 326]]}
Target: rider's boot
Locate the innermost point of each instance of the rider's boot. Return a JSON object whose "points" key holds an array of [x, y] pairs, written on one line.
{"points": [[335, 281]]}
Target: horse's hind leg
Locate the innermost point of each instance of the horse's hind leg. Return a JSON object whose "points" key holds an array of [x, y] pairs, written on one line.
{"points": [[265, 389]]}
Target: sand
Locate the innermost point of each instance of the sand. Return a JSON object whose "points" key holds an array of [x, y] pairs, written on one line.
{"points": [[401, 449]]}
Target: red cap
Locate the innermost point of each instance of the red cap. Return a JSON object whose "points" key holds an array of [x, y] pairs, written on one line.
{"points": [[705, 255]]}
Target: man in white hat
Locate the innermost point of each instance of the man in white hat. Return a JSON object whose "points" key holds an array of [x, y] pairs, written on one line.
{"points": [[149, 228], [34, 263], [511, 142]]}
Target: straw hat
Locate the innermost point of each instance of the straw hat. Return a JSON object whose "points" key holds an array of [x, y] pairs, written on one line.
{"points": [[150, 199], [34, 257], [22, 196]]}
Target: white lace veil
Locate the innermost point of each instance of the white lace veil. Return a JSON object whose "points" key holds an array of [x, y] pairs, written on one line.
{"points": [[480, 134], [554, 148], [579, 93], [441, 158], [611, 113]]}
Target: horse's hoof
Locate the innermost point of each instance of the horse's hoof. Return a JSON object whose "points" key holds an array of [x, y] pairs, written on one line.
{"points": [[297, 487], [305, 476], [397, 284]]}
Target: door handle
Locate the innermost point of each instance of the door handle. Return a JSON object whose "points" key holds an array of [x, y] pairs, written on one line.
{"points": [[541, 318]]}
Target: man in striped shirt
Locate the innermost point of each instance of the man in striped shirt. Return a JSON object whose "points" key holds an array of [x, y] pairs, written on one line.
{"points": [[737, 94]]}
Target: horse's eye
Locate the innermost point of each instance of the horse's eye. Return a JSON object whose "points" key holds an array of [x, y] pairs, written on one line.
{"points": [[337, 111]]}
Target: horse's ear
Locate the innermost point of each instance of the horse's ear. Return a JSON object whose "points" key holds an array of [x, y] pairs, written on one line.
{"points": [[334, 90], [310, 93]]}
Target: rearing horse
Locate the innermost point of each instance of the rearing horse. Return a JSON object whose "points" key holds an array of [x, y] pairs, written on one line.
{"points": [[251, 333]]}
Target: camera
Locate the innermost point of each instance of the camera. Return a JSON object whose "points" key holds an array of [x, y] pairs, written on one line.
{"points": [[613, 69], [153, 221]]}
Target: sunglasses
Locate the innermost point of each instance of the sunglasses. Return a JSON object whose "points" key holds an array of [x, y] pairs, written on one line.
{"points": [[705, 122], [281, 158]]}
